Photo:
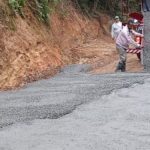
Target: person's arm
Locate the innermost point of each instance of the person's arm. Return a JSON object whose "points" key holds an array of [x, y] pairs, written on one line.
{"points": [[131, 41], [136, 33]]}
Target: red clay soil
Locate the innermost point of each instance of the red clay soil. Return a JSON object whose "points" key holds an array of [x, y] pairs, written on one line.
{"points": [[30, 50], [102, 54]]}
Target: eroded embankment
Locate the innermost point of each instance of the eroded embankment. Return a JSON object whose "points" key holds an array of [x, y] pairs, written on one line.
{"points": [[30, 50]]}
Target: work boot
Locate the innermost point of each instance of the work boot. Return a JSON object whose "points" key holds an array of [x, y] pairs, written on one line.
{"points": [[119, 67], [123, 69]]}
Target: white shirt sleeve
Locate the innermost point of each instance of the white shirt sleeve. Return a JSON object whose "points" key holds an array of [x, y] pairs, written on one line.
{"points": [[136, 33]]}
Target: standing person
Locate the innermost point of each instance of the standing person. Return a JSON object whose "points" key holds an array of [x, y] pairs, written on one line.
{"points": [[116, 28], [123, 41]]}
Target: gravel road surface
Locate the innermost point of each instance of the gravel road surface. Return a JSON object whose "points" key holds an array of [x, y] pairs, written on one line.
{"points": [[61, 94]]}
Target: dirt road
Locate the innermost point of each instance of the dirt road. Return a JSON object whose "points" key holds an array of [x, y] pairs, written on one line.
{"points": [[102, 54]]}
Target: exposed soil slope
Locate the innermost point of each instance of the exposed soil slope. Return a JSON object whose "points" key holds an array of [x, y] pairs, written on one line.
{"points": [[32, 50]]}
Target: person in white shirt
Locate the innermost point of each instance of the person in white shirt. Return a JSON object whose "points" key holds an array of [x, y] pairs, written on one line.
{"points": [[123, 41], [116, 28]]}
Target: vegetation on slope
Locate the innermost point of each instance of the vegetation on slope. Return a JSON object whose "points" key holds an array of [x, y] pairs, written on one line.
{"points": [[30, 50], [42, 8], [112, 7]]}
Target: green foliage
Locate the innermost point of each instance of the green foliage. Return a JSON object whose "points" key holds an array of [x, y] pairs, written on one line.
{"points": [[133, 3], [40, 7], [46, 7], [85, 4], [43, 9], [55, 2], [17, 5]]}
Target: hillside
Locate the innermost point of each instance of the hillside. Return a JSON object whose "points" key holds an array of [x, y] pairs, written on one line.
{"points": [[31, 50]]}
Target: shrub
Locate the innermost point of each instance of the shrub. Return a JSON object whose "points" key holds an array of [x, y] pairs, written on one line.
{"points": [[17, 5]]}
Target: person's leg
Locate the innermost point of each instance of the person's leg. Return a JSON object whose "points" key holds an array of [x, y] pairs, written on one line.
{"points": [[119, 66], [123, 69], [122, 59]]}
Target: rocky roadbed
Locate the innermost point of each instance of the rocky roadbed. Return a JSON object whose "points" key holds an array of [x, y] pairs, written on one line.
{"points": [[60, 95]]}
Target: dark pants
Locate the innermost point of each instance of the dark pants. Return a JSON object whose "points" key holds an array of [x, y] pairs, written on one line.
{"points": [[122, 59]]}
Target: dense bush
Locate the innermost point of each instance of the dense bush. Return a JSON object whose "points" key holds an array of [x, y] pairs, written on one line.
{"points": [[43, 9], [17, 5]]}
